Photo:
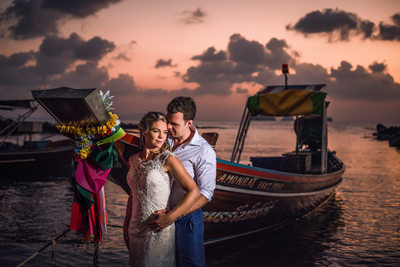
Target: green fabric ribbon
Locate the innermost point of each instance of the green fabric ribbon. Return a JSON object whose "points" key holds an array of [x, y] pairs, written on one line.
{"points": [[85, 198], [118, 133], [105, 159]]}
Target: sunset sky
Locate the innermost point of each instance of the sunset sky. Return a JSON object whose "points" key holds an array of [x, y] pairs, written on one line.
{"points": [[219, 52]]}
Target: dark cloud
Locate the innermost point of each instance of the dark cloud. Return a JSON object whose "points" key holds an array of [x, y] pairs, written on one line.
{"points": [[88, 75], [340, 25], [59, 61], [14, 67], [367, 28], [193, 16], [218, 73], [244, 61], [123, 56], [56, 54], [276, 54], [378, 67], [20, 59], [359, 84], [216, 78], [78, 8], [122, 85], [307, 73], [25, 19], [333, 22], [242, 50], [396, 19], [16, 75], [254, 53], [211, 55], [94, 49], [262, 63], [390, 32], [164, 63]]}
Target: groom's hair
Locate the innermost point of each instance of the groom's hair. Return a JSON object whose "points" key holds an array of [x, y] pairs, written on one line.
{"points": [[184, 104]]}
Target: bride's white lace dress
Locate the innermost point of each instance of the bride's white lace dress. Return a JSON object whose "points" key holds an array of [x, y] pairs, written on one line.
{"points": [[150, 188]]}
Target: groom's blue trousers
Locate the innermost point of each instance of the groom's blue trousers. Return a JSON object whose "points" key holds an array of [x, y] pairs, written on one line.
{"points": [[189, 232]]}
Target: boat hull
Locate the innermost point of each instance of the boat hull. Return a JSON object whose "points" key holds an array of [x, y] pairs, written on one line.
{"points": [[46, 162], [249, 199]]}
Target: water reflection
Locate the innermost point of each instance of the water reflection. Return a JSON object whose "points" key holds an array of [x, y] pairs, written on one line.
{"points": [[300, 244], [359, 225]]}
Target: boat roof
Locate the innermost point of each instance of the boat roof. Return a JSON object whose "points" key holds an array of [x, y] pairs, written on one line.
{"points": [[11, 104], [279, 88], [291, 100]]}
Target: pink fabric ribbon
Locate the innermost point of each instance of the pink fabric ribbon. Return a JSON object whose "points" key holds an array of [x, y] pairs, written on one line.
{"points": [[90, 178]]}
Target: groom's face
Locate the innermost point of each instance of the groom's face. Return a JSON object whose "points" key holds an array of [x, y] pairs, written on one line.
{"points": [[177, 126]]}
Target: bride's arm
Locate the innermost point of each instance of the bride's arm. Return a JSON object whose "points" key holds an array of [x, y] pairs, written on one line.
{"points": [[175, 167]]}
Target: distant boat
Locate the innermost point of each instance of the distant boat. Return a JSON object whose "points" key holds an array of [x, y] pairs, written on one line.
{"points": [[31, 158], [291, 118], [264, 118]]}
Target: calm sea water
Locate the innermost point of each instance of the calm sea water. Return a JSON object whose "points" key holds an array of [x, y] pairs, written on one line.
{"points": [[359, 225]]}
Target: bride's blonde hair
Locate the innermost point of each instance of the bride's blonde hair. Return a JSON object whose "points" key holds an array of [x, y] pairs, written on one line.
{"points": [[145, 125]]}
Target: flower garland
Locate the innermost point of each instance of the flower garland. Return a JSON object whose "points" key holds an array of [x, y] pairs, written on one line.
{"points": [[73, 128], [88, 134]]}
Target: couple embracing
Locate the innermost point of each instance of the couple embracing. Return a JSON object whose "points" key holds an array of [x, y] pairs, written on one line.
{"points": [[170, 180]]}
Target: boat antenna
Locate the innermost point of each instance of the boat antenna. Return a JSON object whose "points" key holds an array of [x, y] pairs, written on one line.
{"points": [[285, 71], [42, 85]]}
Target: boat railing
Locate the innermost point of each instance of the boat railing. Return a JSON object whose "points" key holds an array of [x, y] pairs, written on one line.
{"points": [[9, 129], [241, 135]]}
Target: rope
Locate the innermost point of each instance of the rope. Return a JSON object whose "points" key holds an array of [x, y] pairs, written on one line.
{"points": [[53, 242], [114, 225], [40, 250]]}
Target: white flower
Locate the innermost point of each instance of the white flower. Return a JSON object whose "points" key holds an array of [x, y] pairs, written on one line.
{"points": [[106, 98]]}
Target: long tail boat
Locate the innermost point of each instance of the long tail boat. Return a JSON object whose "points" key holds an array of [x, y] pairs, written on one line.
{"points": [[25, 157], [273, 191]]}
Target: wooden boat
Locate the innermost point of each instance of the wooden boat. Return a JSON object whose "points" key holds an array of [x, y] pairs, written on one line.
{"points": [[273, 191], [32, 158]]}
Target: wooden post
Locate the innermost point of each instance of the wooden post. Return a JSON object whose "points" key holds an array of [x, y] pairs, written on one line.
{"points": [[324, 141]]}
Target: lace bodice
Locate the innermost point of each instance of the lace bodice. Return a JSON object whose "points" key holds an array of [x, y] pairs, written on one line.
{"points": [[149, 183], [150, 188]]}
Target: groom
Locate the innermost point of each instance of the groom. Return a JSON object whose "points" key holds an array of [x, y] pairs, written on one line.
{"points": [[199, 160]]}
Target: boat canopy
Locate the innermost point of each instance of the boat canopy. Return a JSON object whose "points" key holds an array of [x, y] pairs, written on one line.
{"points": [[289, 102]]}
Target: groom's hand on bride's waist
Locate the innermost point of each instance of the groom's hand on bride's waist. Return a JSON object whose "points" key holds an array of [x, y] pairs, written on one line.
{"points": [[159, 220]]}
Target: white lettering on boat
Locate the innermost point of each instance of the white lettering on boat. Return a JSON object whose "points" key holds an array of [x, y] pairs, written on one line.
{"points": [[241, 213], [249, 182]]}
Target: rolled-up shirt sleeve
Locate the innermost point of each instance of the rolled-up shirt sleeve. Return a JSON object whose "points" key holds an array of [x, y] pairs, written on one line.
{"points": [[206, 171]]}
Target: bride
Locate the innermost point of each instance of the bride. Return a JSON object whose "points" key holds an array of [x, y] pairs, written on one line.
{"points": [[149, 178]]}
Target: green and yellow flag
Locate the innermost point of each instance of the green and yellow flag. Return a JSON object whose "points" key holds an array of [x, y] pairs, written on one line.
{"points": [[287, 103]]}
